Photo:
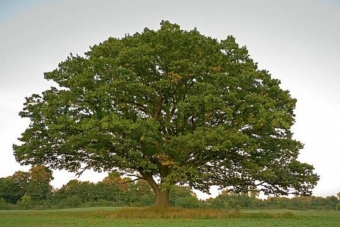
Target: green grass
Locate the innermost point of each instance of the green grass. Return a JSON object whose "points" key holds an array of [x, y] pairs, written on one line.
{"points": [[104, 216]]}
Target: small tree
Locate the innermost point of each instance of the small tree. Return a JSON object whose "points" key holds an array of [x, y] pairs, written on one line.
{"points": [[25, 202], [169, 106], [338, 206]]}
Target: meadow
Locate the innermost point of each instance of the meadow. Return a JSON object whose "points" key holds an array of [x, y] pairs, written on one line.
{"points": [[105, 216]]}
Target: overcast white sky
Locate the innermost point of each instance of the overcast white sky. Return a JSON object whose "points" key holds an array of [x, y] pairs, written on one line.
{"points": [[298, 41]]}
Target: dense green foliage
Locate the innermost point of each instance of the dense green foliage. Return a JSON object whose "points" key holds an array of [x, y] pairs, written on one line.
{"points": [[169, 106], [111, 191], [114, 191], [234, 201], [35, 183]]}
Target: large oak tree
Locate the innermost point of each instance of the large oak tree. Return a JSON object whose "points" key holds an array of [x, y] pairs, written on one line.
{"points": [[170, 106]]}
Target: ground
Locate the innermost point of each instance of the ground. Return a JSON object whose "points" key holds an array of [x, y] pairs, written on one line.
{"points": [[106, 217]]}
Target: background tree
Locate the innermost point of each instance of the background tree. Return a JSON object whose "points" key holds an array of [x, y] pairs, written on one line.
{"points": [[114, 178], [139, 194], [171, 106], [35, 183], [112, 188], [82, 189], [39, 183], [10, 190], [182, 196], [21, 179], [13, 188]]}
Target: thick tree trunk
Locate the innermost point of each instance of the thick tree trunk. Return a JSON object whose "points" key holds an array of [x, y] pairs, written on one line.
{"points": [[162, 198], [161, 195]]}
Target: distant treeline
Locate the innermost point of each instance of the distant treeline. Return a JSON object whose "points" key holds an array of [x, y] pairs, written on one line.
{"points": [[26, 190]]}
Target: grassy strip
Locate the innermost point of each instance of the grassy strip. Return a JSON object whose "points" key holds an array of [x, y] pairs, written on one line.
{"points": [[148, 213], [181, 213]]}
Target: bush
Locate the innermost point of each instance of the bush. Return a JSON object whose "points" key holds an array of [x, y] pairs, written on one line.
{"points": [[70, 202], [47, 204], [218, 203], [73, 201], [3, 204], [338, 206], [25, 202], [327, 207], [188, 202]]}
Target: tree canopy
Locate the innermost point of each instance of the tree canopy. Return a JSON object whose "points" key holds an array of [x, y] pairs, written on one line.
{"points": [[169, 106]]}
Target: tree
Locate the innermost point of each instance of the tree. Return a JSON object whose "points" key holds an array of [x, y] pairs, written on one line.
{"points": [[139, 194], [114, 178], [81, 189], [13, 188], [35, 183], [21, 180], [112, 188], [9, 190], [39, 183], [169, 106]]}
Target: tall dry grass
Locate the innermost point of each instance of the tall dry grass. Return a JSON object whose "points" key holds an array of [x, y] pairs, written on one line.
{"points": [[175, 212]]}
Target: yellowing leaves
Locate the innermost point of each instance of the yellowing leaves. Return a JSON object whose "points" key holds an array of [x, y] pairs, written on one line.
{"points": [[217, 69], [175, 78], [164, 159]]}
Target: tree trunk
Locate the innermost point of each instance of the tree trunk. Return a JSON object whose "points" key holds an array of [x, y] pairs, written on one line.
{"points": [[162, 198]]}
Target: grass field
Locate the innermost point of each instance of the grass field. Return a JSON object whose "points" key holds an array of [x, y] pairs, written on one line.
{"points": [[110, 217]]}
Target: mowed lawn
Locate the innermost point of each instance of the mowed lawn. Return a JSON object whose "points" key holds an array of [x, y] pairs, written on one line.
{"points": [[103, 217]]}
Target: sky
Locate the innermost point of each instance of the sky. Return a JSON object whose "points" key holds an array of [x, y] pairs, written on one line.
{"points": [[298, 42]]}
